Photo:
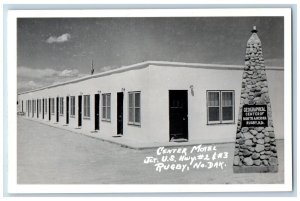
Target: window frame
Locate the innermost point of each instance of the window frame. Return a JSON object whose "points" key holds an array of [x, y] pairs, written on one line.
{"points": [[134, 107], [86, 108], [72, 106], [105, 107], [220, 121]]}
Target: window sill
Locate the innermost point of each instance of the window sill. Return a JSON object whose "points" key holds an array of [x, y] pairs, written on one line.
{"points": [[104, 120], [72, 116], [87, 118], [225, 123], [134, 124], [61, 115]]}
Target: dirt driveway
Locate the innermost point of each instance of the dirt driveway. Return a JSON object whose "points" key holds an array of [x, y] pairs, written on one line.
{"points": [[48, 155]]}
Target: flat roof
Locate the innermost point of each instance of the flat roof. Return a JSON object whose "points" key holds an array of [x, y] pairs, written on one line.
{"points": [[148, 63]]}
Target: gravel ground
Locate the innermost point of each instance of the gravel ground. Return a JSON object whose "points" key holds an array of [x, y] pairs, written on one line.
{"points": [[48, 155]]}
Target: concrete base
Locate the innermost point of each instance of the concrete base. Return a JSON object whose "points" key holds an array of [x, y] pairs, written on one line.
{"points": [[255, 169]]}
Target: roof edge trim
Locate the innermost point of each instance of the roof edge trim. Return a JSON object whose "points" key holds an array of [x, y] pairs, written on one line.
{"points": [[146, 64]]}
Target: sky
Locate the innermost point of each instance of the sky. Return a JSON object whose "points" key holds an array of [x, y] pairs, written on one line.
{"points": [[53, 50]]}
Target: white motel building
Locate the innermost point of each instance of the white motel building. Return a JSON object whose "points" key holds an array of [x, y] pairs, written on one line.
{"points": [[153, 101]]}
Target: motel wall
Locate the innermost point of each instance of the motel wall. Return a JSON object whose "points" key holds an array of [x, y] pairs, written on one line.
{"points": [[201, 79], [154, 80]]}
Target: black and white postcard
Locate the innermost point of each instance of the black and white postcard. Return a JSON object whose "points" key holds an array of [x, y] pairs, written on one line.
{"points": [[177, 100]]}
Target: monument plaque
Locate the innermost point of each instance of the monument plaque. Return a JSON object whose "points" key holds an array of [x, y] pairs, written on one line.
{"points": [[255, 116]]}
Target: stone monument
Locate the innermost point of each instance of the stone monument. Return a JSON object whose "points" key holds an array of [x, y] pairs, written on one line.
{"points": [[255, 145]]}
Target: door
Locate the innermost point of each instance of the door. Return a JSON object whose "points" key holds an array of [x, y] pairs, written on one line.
{"points": [[57, 109], [67, 110], [178, 114], [43, 108], [49, 110], [37, 108], [120, 97], [79, 110], [97, 103]]}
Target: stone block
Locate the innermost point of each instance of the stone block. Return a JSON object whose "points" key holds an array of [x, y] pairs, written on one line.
{"points": [[248, 142], [246, 152], [253, 132], [260, 136], [236, 160], [263, 157], [273, 161], [260, 141], [255, 156], [271, 134], [251, 149], [236, 151], [248, 161], [259, 148], [269, 129], [273, 149], [245, 129], [265, 162], [247, 136], [257, 162], [259, 129], [267, 139]]}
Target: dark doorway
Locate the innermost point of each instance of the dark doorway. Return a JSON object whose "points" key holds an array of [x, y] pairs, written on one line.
{"points": [[79, 110], [37, 108], [120, 97], [49, 111], [67, 112], [178, 114], [43, 108], [57, 109], [97, 103]]}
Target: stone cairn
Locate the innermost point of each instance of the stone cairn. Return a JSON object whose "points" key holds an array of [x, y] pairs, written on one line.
{"points": [[255, 147]]}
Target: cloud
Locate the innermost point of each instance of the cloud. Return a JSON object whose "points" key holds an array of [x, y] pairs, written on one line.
{"points": [[30, 78], [28, 85], [36, 73], [59, 39], [107, 68], [69, 73]]}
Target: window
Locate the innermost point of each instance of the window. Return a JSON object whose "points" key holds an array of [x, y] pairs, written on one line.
{"points": [[61, 105], [45, 106], [86, 105], [106, 107], [72, 105], [220, 107], [134, 105], [52, 105]]}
